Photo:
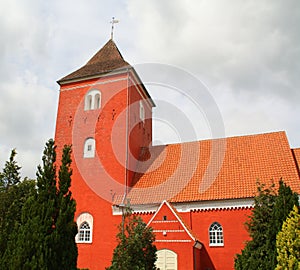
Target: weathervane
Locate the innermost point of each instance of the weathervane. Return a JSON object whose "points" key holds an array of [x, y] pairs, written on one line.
{"points": [[113, 21]]}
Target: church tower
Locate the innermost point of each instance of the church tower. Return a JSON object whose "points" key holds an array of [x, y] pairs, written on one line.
{"points": [[105, 113]]}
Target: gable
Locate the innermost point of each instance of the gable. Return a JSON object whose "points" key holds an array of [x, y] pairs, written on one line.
{"points": [[169, 227]]}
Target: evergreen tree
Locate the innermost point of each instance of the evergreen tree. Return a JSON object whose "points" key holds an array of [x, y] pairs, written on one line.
{"points": [[135, 249], [46, 239], [13, 194], [65, 227], [288, 243], [11, 172], [270, 210]]}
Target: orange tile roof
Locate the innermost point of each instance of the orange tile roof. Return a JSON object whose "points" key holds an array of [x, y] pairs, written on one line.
{"points": [[296, 153], [196, 171]]}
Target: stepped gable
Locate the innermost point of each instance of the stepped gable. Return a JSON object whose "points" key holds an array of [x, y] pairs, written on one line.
{"points": [[176, 174], [107, 59]]}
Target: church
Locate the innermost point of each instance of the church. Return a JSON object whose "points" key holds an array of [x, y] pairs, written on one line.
{"points": [[195, 195]]}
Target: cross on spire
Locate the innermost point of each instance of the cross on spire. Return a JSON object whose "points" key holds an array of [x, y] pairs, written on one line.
{"points": [[113, 21]]}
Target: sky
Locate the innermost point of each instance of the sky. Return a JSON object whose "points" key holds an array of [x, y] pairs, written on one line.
{"points": [[246, 54]]}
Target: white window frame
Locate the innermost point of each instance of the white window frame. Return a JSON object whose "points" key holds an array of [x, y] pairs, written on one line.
{"points": [[89, 148], [85, 218], [92, 100], [216, 236], [142, 111]]}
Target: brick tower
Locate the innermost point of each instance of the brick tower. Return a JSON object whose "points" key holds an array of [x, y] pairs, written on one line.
{"points": [[105, 112]]}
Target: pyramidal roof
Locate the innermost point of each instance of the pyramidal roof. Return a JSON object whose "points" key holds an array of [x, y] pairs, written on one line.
{"points": [[107, 59]]}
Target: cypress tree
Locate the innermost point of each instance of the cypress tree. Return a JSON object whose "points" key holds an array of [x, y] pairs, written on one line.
{"points": [[65, 227], [46, 239]]}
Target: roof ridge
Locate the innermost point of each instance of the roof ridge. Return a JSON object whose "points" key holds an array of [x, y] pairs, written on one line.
{"points": [[223, 138]]}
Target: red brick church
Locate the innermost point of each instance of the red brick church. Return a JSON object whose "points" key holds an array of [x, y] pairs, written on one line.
{"points": [[195, 199]]}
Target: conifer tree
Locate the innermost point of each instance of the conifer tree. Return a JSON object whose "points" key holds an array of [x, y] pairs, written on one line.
{"points": [[13, 194], [270, 210], [11, 172], [46, 239], [65, 227], [288, 242], [135, 249]]}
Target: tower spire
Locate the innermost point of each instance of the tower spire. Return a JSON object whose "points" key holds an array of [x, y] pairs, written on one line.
{"points": [[113, 21]]}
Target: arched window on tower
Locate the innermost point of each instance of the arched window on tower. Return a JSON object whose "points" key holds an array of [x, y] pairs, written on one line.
{"points": [[85, 228], [216, 235], [89, 148], [92, 100], [97, 104], [142, 111]]}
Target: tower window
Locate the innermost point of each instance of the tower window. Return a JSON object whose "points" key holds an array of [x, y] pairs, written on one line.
{"points": [[92, 100], [142, 111], [89, 148], [216, 234]]}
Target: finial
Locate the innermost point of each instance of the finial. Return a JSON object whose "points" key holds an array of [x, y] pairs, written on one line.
{"points": [[113, 21]]}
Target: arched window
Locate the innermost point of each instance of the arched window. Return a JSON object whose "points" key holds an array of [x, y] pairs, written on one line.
{"points": [[142, 111], [92, 100], [97, 104], [84, 232], [89, 148], [216, 234], [85, 228]]}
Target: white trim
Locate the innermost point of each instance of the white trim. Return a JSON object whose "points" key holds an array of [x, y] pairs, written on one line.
{"points": [[92, 84], [175, 214], [173, 241], [144, 97], [165, 221], [158, 231], [186, 207], [101, 75], [214, 205]]}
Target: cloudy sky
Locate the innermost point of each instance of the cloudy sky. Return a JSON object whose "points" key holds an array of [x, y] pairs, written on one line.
{"points": [[247, 53]]}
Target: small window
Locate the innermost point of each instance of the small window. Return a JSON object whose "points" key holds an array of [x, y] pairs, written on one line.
{"points": [[85, 228], [89, 148], [142, 111], [164, 217], [97, 101], [92, 100], [216, 235]]}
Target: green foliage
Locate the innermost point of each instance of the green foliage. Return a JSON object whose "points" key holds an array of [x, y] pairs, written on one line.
{"points": [[135, 249], [11, 172], [288, 243], [13, 195], [43, 237], [270, 210]]}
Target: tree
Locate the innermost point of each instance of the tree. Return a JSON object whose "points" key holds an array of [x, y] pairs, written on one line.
{"points": [[13, 195], [46, 239], [135, 249], [11, 172], [270, 210], [288, 242]]}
